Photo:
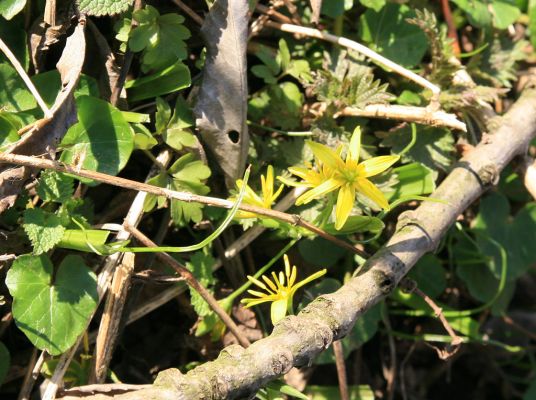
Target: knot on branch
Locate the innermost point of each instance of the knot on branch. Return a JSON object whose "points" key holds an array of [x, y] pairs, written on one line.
{"points": [[170, 378], [489, 175], [385, 282], [282, 362]]}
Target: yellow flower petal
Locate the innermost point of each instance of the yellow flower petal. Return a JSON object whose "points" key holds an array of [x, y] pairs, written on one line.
{"points": [[276, 194], [293, 275], [325, 154], [355, 145], [287, 265], [278, 310], [310, 278], [345, 203], [288, 182], [377, 165], [253, 302], [256, 293], [372, 192], [299, 171], [257, 282], [319, 191], [269, 283]]}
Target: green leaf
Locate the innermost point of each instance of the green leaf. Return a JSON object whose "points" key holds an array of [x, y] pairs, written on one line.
{"points": [[14, 96], [319, 251], [429, 275], [10, 8], [143, 138], [390, 34], [103, 7], [530, 394], [501, 13], [434, 147], [5, 361], [88, 240], [517, 235], [54, 186], [532, 23], [376, 5], [412, 180], [281, 387], [52, 313], [281, 104], [357, 224], [335, 8], [199, 304], [101, 141], [9, 125], [161, 37], [201, 266], [173, 128], [15, 38], [171, 79], [43, 229]]}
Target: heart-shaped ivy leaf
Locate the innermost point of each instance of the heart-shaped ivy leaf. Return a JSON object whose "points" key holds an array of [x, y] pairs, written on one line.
{"points": [[52, 312]]}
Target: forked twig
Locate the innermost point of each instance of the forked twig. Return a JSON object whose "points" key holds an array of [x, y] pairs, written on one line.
{"points": [[192, 282], [410, 286]]}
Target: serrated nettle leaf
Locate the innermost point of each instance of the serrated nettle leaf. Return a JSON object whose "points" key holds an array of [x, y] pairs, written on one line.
{"points": [[103, 7], [44, 229], [199, 304], [10, 8], [54, 186], [221, 108], [390, 34], [171, 79], [101, 141], [52, 309]]}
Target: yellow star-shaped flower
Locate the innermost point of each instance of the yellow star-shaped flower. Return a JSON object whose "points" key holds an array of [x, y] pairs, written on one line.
{"points": [[279, 293], [267, 198], [349, 176]]}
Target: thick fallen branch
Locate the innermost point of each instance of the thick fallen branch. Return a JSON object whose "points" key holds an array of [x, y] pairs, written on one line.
{"points": [[297, 340]]}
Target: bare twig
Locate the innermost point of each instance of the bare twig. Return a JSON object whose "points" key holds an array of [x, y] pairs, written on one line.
{"points": [[172, 194], [34, 368], [191, 13], [375, 57], [509, 321], [194, 283], [419, 115], [390, 373], [341, 370], [127, 61], [22, 73], [411, 287]]}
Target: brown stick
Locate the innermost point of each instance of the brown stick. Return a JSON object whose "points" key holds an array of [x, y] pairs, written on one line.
{"points": [[410, 286], [172, 194], [191, 13], [341, 370], [193, 282]]}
